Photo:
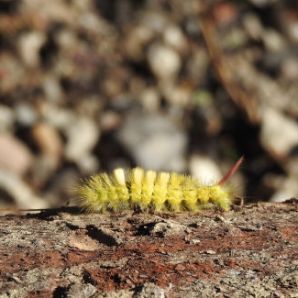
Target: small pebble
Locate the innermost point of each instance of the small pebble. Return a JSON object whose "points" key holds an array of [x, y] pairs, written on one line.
{"points": [[279, 133], [154, 141], [30, 44], [20, 191], [82, 135], [7, 118], [204, 169], [49, 141], [15, 156], [150, 290], [164, 62]]}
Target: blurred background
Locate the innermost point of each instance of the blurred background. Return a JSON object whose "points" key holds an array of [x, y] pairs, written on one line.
{"points": [[186, 86]]}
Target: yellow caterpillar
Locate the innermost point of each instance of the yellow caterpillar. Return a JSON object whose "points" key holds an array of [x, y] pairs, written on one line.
{"points": [[150, 190]]}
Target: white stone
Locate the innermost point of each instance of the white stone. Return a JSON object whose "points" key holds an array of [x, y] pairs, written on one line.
{"points": [[173, 36], [154, 141], [150, 99], [273, 41], [20, 191], [30, 44], [288, 190], [6, 118], [82, 135], [52, 88], [164, 62], [253, 25], [25, 114], [279, 134], [204, 169]]}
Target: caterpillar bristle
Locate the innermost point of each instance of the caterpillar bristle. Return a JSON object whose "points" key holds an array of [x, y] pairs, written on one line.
{"points": [[149, 190]]}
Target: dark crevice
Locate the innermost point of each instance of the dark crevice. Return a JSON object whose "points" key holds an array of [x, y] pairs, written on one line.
{"points": [[101, 236], [48, 214], [116, 278], [145, 229], [87, 278], [72, 226], [9, 7], [60, 292]]}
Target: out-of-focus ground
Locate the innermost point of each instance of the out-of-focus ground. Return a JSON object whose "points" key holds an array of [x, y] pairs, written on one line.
{"points": [[86, 86]]}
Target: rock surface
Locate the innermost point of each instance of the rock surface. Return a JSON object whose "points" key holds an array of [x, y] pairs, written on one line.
{"points": [[251, 252]]}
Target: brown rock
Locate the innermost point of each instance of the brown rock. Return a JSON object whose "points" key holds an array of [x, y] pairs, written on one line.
{"points": [[49, 141], [14, 155]]}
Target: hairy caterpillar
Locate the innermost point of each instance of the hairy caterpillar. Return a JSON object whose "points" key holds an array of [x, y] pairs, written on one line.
{"points": [[149, 190]]}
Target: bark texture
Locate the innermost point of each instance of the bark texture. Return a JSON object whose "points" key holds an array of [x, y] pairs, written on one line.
{"points": [[251, 252]]}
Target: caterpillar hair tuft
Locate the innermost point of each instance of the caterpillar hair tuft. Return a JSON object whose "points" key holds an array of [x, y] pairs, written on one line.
{"points": [[150, 190]]}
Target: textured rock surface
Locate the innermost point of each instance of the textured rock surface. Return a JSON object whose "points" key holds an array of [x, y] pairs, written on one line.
{"points": [[251, 252]]}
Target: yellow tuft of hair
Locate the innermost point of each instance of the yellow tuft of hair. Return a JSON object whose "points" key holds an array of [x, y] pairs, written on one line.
{"points": [[136, 186], [147, 189], [150, 190]]}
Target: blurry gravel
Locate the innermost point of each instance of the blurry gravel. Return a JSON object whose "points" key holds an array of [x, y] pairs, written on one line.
{"points": [[89, 85], [155, 141]]}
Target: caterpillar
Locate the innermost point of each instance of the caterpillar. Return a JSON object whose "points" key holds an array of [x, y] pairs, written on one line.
{"points": [[156, 191]]}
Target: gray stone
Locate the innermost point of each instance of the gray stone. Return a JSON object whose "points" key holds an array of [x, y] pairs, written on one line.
{"points": [[154, 141]]}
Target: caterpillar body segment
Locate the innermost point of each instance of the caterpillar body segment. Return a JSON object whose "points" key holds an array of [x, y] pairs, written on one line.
{"points": [[150, 190], [147, 190]]}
